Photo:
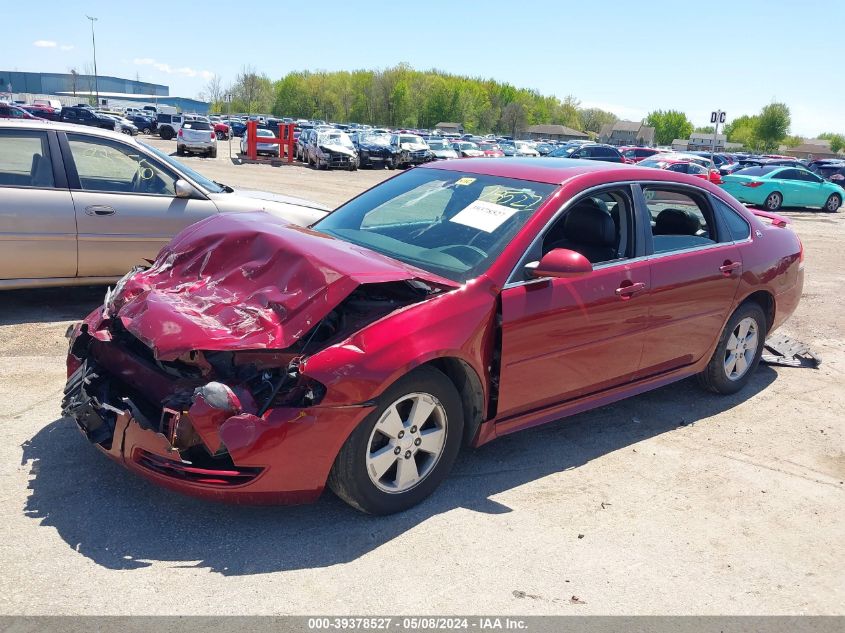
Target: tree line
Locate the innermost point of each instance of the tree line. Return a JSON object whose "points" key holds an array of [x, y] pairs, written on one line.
{"points": [[402, 97]]}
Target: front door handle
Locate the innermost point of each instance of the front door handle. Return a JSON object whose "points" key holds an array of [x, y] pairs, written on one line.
{"points": [[99, 209], [627, 291], [728, 267]]}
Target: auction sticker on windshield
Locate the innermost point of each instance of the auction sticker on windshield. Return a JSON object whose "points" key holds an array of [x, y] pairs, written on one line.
{"points": [[484, 216]]}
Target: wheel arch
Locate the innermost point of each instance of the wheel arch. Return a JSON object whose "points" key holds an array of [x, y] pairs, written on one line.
{"points": [[469, 387], [766, 301]]}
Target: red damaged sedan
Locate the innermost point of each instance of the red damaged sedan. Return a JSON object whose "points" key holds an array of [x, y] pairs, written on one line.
{"points": [[256, 361]]}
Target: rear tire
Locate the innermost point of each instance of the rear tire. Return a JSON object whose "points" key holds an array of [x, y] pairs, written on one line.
{"points": [[212, 153], [738, 352], [773, 201], [220, 136], [166, 133], [394, 459], [833, 203]]}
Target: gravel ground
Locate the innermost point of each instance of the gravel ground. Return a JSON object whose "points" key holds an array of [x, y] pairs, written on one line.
{"points": [[672, 502]]}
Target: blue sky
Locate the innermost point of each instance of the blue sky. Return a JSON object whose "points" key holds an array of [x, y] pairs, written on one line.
{"points": [[628, 57]]}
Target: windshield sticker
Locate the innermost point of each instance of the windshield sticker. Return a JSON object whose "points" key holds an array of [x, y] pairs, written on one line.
{"points": [[484, 216], [522, 199], [465, 181]]}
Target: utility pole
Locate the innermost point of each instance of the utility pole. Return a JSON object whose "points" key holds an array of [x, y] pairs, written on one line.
{"points": [[94, 44]]}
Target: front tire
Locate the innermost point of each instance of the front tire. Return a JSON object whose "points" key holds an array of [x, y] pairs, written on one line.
{"points": [[833, 203], [738, 352], [773, 201], [220, 136], [405, 448]]}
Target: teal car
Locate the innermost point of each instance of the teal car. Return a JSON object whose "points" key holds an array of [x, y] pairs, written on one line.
{"points": [[776, 186]]}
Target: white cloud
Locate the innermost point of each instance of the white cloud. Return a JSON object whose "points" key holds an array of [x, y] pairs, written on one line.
{"points": [[185, 71], [45, 44]]}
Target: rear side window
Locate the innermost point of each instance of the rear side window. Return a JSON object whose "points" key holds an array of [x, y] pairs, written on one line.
{"points": [[737, 226], [678, 221], [25, 159], [196, 125]]}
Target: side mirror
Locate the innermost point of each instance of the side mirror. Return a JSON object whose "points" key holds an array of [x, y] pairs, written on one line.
{"points": [[184, 189], [560, 263]]}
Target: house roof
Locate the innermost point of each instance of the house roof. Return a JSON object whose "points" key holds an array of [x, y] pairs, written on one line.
{"points": [[556, 129], [446, 124], [627, 126]]}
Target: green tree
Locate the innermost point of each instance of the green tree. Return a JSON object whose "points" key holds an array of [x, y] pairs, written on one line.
{"points": [[743, 130], [592, 119], [773, 125], [668, 125], [705, 129], [837, 141]]}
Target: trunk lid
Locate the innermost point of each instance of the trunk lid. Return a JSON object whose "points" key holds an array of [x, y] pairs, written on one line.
{"points": [[247, 281]]}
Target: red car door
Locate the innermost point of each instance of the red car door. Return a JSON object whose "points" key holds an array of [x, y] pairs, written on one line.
{"points": [[694, 279], [566, 337]]}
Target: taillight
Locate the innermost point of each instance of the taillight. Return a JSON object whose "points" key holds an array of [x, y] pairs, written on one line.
{"points": [[752, 183], [180, 133], [213, 136]]}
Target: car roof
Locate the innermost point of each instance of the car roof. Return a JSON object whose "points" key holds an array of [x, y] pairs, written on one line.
{"points": [[57, 126], [557, 171]]}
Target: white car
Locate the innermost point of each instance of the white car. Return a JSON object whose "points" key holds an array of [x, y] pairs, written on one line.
{"points": [[441, 149], [525, 149], [197, 137], [414, 149]]}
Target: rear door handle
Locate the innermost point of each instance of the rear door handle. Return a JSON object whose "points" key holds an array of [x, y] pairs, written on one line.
{"points": [[631, 289], [99, 209], [728, 267]]}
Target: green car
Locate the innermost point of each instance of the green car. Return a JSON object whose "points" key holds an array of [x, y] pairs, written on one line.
{"points": [[776, 186]]}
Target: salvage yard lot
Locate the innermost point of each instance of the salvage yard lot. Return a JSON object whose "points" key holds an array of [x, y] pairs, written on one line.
{"points": [[676, 501]]}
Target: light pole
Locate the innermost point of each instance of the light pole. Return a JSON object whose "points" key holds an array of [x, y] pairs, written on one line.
{"points": [[94, 44]]}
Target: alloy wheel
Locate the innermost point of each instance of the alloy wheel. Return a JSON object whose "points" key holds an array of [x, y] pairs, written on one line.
{"points": [[406, 443], [833, 203], [773, 201], [741, 348]]}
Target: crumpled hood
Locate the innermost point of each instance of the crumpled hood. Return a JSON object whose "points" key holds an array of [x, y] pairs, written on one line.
{"points": [[338, 149], [246, 281], [413, 147]]}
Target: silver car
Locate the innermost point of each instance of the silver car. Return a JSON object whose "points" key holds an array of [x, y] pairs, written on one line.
{"points": [[198, 137], [271, 149], [80, 205]]}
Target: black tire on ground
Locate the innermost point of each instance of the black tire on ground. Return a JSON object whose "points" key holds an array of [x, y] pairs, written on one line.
{"points": [[180, 151], [391, 164], [220, 136], [212, 153], [166, 133], [349, 478], [146, 130], [773, 201], [715, 376], [833, 203]]}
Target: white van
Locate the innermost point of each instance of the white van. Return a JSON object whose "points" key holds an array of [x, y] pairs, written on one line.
{"points": [[50, 103]]}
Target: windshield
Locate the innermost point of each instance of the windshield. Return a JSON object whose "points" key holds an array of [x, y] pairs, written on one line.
{"points": [[410, 139], [265, 132], [659, 164], [376, 139], [563, 151], [450, 223], [334, 138], [201, 180], [438, 145]]}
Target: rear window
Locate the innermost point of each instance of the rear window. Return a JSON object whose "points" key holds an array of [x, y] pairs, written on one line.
{"points": [[196, 125], [756, 171]]}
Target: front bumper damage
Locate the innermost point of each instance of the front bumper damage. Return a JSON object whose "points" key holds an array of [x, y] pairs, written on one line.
{"points": [[202, 438]]}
